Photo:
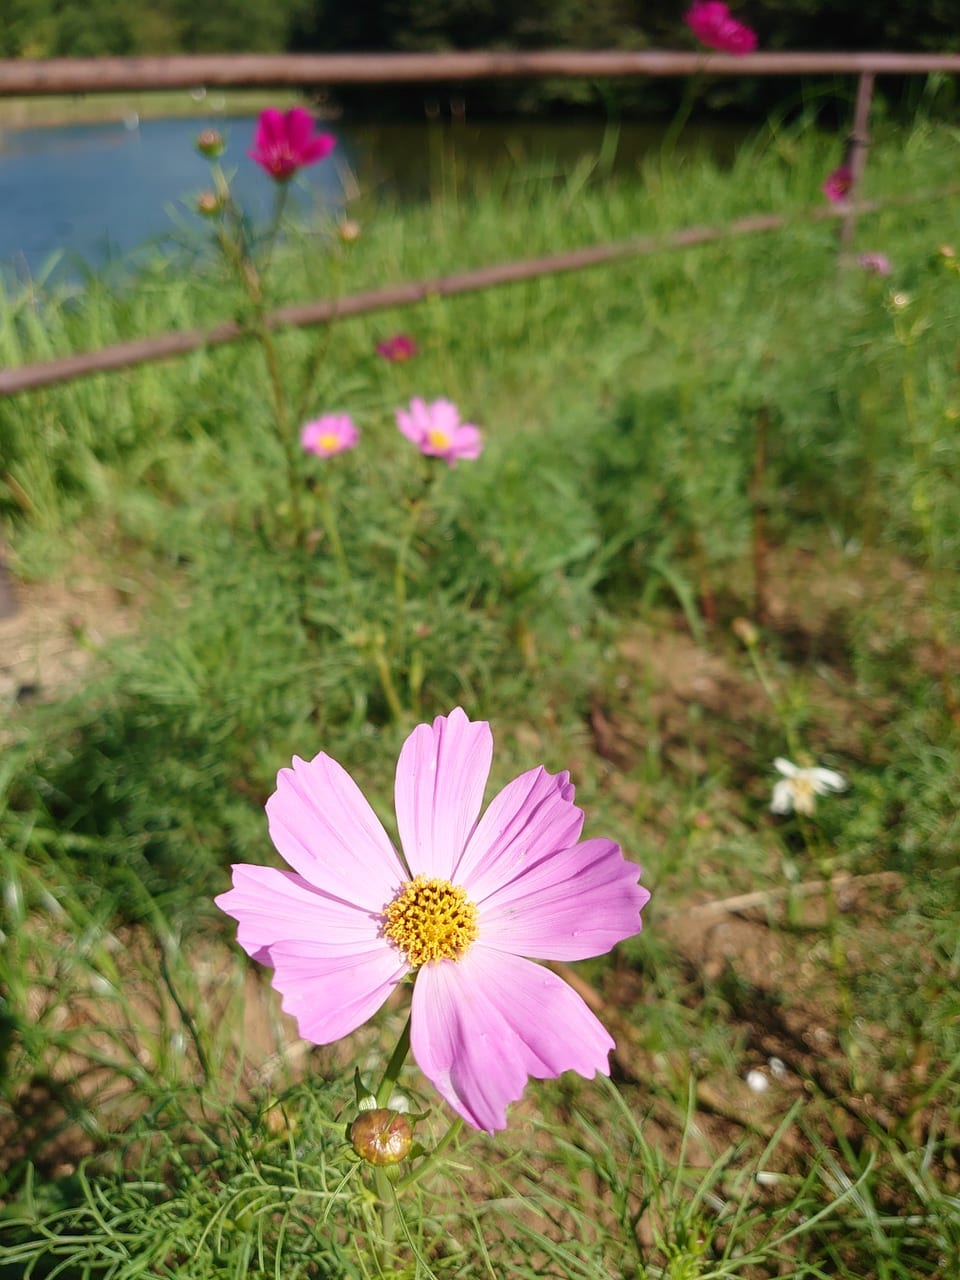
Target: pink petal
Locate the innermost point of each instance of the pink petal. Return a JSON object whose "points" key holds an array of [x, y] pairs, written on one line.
{"points": [[318, 148], [271, 905], [571, 904], [325, 829], [331, 995], [483, 1024], [298, 127], [444, 416], [270, 129], [529, 819], [468, 442], [414, 423], [441, 775], [407, 426]]}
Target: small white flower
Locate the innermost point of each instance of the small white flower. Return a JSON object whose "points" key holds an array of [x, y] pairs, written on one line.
{"points": [[798, 788]]}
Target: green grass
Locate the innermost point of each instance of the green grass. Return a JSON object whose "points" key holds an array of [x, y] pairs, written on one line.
{"points": [[577, 586], [58, 109]]}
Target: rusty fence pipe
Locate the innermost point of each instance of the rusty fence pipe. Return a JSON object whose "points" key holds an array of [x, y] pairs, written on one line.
{"points": [[24, 77], [858, 146]]}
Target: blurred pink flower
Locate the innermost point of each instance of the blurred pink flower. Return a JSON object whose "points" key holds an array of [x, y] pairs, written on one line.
{"points": [[471, 898], [836, 186], [398, 348], [285, 142], [330, 434], [877, 264], [437, 431], [714, 25]]}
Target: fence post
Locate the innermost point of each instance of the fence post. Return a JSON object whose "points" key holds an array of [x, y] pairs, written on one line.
{"points": [[858, 144]]}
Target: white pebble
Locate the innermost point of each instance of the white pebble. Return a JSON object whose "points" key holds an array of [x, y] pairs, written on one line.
{"points": [[757, 1081]]}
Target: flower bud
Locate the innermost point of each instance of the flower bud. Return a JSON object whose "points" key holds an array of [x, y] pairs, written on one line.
{"points": [[208, 204], [745, 631], [381, 1136], [210, 143]]}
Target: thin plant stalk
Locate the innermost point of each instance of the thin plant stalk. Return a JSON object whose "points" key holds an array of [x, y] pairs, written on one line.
{"points": [[331, 525], [691, 90], [386, 1192], [923, 507], [394, 1066], [760, 505], [236, 251]]}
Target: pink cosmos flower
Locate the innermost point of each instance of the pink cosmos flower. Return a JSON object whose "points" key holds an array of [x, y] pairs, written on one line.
{"points": [[469, 899], [400, 347], [285, 142], [437, 431], [836, 186], [714, 25], [333, 433], [877, 264]]}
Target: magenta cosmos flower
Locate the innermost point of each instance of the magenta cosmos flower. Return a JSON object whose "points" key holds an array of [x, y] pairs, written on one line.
{"points": [[437, 431], [875, 264], [400, 347], [330, 434], [285, 142], [715, 26], [459, 909], [836, 186]]}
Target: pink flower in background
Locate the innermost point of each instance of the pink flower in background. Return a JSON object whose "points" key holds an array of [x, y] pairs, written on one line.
{"points": [[473, 897], [398, 348], [437, 431], [877, 264], [836, 187], [715, 26], [285, 142], [333, 433]]}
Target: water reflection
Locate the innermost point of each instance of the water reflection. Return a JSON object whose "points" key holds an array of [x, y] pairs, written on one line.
{"points": [[101, 196], [97, 194]]}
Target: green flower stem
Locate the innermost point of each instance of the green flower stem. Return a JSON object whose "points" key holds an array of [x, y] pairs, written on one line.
{"points": [[417, 506], [923, 507], [691, 90], [388, 1220], [814, 845], [432, 1160], [233, 245], [322, 343], [384, 1181], [759, 504], [400, 574], [279, 204], [394, 1066], [282, 423], [386, 677], [328, 514]]}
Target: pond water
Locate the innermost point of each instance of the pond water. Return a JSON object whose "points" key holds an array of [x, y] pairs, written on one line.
{"points": [[97, 196]]}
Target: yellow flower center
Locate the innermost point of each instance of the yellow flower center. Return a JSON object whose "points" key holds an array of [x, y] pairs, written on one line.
{"points": [[804, 794], [431, 920], [438, 439], [329, 441]]}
